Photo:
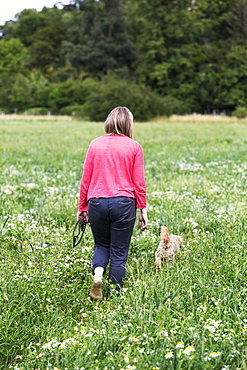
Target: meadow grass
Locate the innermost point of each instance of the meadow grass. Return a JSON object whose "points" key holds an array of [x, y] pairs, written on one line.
{"points": [[191, 315]]}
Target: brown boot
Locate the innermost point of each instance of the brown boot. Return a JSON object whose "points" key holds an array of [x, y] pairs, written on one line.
{"points": [[96, 290]]}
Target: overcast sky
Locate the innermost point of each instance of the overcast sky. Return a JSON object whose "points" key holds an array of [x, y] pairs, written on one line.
{"points": [[9, 8]]}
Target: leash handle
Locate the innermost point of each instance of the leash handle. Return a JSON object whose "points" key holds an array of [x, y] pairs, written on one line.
{"points": [[78, 231]]}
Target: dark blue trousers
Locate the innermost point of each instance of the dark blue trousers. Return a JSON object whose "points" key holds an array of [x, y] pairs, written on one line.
{"points": [[112, 221]]}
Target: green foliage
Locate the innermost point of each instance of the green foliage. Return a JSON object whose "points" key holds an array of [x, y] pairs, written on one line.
{"points": [[182, 50], [236, 22], [37, 111], [13, 82], [98, 40], [46, 44], [12, 56], [240, 112], [20, 96], [211, 20], [40, 88], [5, 88], [232, 83], [74, 110], [28, 22], [162, 27], [62, 74], [21, 92], [174, 106], [70, 93], [114, 91], [193, 52]]}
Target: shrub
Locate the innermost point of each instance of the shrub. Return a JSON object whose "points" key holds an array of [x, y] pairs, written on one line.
{"points": [[38, 111], [40, 89], [74, 110], [240, 112], [70, 92], [174, 106], [114, 91], [20, 94]]}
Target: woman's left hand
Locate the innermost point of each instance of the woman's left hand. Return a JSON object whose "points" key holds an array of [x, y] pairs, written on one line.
{"points": [[143, 219]]}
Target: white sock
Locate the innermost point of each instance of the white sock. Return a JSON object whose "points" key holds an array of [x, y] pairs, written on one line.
{"points": [[98, 273]]}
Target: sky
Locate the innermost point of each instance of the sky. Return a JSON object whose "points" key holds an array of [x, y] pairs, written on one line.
{"points": [[9, 8]]}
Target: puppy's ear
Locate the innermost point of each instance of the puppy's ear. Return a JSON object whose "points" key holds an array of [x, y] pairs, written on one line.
{"points": [[164, 234]]}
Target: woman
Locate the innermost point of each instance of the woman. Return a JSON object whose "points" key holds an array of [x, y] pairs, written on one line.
{"points": [[111, 188]]}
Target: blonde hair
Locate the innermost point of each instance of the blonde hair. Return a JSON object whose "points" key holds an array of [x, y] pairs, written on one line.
{"points": [[119, 122]]}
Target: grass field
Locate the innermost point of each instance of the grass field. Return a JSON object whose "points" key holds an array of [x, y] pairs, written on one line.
{"points": [[192, 315]]}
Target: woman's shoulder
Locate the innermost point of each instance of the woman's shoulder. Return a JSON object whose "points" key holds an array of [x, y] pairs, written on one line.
{"points": [[136, 143], [115, 140], [132, 143], [97, 139]]}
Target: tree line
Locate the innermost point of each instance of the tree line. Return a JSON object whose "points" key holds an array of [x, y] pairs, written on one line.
{"points": [[157, 57]]}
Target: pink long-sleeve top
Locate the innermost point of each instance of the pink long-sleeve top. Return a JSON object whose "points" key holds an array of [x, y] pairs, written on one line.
{"points": [[114, 166]]}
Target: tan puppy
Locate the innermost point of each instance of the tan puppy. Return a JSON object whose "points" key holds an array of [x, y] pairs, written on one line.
{"points": [[168, 247]]}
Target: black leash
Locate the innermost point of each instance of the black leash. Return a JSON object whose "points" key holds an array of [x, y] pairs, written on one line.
{"points": [[78, 231]]}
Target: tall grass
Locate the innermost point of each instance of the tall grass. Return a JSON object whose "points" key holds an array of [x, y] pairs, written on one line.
{"points": [[192, 315]]}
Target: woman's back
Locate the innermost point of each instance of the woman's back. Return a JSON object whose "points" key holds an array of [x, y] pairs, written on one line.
{"points": [[114, 164]]}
